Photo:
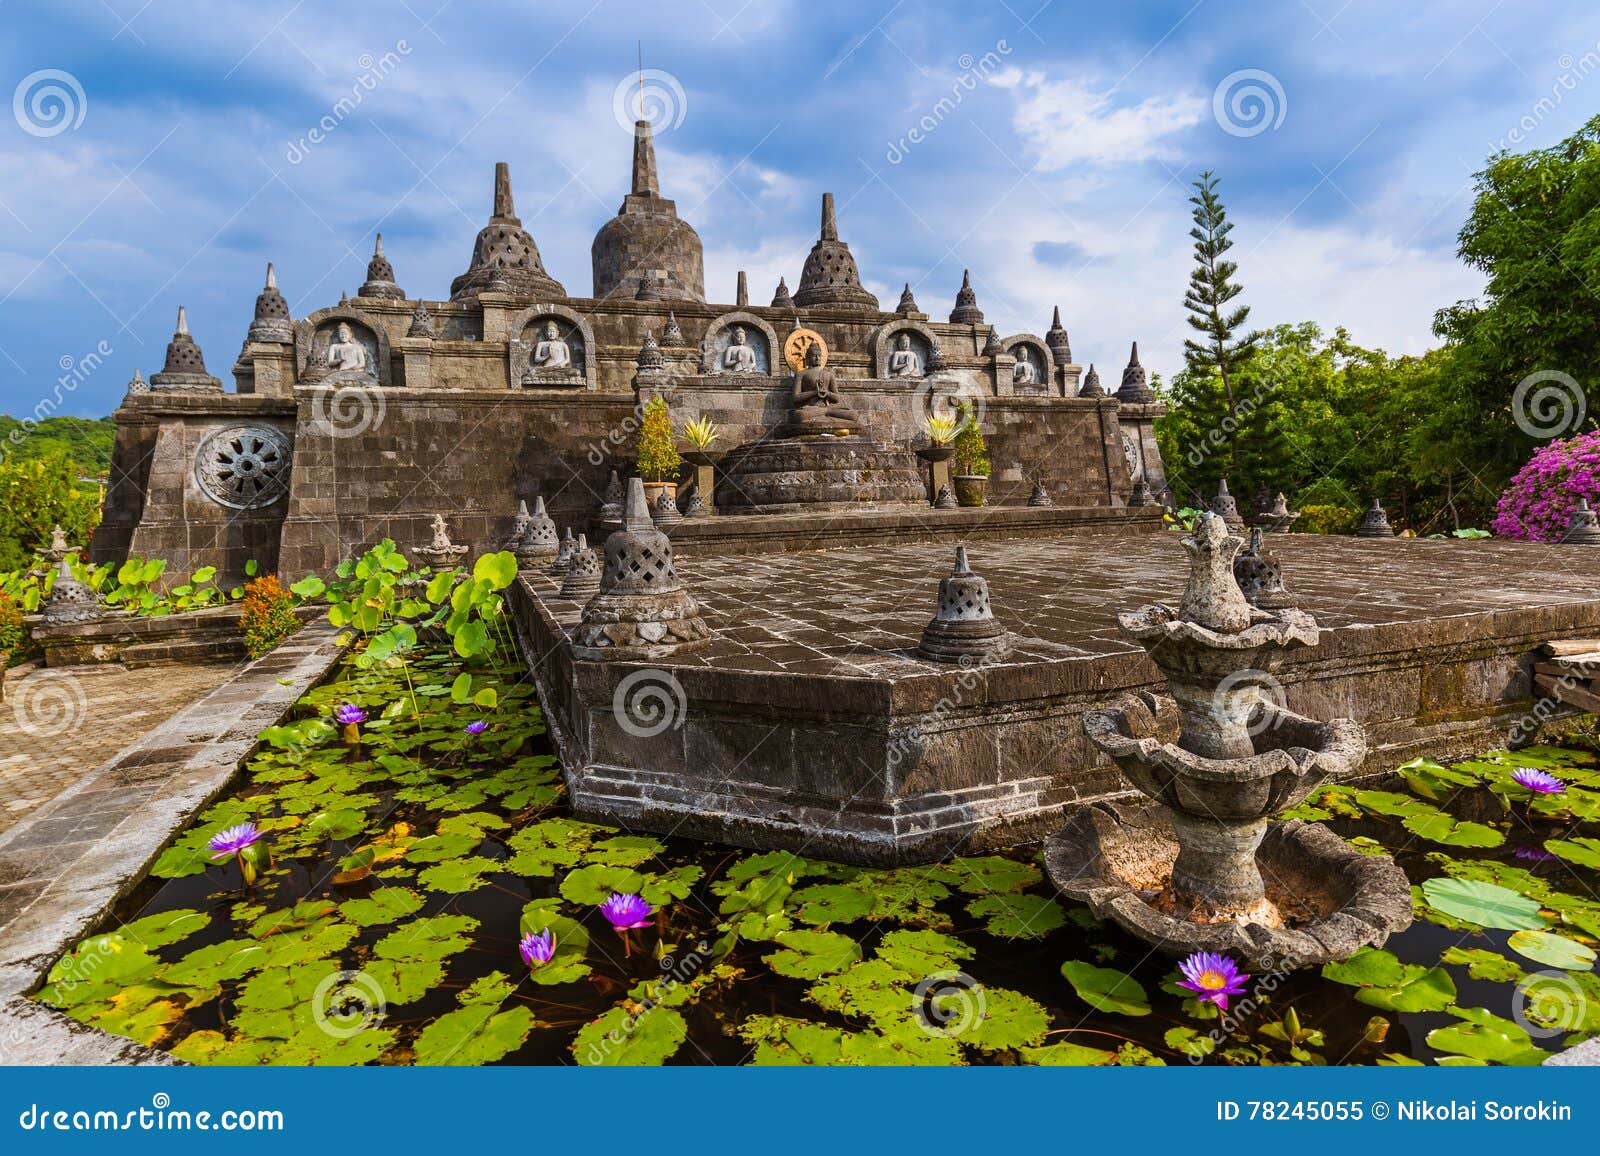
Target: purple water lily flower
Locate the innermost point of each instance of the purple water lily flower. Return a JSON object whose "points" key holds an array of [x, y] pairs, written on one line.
{"points": [[625, 912], [232, 840], [349, 714], [1539, 782], [1212, 977], [537, 949], [476, 727], [1534, 854]]}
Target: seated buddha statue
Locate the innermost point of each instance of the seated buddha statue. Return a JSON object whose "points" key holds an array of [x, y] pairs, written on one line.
{"points": [[818, 406]]}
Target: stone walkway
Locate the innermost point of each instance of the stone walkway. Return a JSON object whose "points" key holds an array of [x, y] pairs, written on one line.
{"points": [[58, 725]]}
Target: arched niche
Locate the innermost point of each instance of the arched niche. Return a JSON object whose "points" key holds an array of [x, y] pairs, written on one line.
{"points": [[317, 340], [920, 340], [531, 327], [760, 337], [1031, 350]]}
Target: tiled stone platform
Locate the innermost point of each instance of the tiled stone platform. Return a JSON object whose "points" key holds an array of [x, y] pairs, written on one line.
{"points": [[808, 723], [63, 869]]}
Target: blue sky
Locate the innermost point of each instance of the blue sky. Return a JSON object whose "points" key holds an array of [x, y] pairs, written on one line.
{"points": [[1056, 168]]}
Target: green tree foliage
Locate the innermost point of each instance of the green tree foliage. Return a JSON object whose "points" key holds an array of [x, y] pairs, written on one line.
{"points": [[37, 494], [87, 441], [1535, 233], [658, 455]]}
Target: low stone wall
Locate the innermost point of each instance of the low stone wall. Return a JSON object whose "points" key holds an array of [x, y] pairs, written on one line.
{"points": [[210, 635], [809, 725]]}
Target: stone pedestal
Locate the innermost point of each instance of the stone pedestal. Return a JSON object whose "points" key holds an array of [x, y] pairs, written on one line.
{"points": [[820, 472]]}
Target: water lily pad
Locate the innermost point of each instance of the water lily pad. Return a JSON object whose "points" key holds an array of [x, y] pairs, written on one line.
{"points": [[165, 927], [478, 1033], [432, 937], [1481, 1035], [213, 1048], [1440, 827], [572, 943], [823, 903], [218, 962], [404, 981], [992, 1019], [384, 905], [458, 876], [1107, 989], [1069, 1055], [1583, 851], [1189, 1042], [1551, 950], [991, 875], [813, 954], [1484, 904], [1483, 964], [919, 954], [1018, 916], [1384, 982], [620, 1038]]}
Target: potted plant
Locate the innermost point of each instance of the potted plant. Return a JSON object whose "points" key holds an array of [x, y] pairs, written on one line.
{"points": [[659, 461], [971, 459], [700, 434], [941, 433]]}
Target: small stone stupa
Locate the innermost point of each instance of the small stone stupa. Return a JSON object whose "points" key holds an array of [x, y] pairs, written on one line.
{"points": [[1375, 524], [944, 499], [1091, 386], [185, 368], [1040, 496], [1225, 507], [643, 610], [380, 276], [271, 322], [1135, 388], [1057, 341], [1583, 529], [966, 311], [1278, 517], [964, 629], [441, 551], [1260, 576], [70, 600], [666, 512], [533, 536], [421, 322], [504, 257], [582, 581], [610, 515], [564, 552], [830, 277]]}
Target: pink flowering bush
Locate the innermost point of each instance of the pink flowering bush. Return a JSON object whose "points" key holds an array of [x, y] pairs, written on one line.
{"points": [[1537, 503]]}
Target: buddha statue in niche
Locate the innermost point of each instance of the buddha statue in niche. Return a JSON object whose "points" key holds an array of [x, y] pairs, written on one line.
{"points": [[1024, 372], [346, 355], [739, 357], [904, 361], [551, 352], [818, 406]]}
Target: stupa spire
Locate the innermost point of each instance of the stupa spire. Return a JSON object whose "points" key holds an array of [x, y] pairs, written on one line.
{"points": [[505, 209], [830, 222], [645, 181]]}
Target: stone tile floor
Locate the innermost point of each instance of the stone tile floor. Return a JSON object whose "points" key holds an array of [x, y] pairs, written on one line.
{"points": [[56, 725], [861, 611]]}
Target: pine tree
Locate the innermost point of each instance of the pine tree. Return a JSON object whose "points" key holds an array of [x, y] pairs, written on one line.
{"points": [[1221, 352]]}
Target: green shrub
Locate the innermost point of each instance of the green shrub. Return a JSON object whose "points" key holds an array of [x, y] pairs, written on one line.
{"points": [[1327, 520], [268, 615], [658, 456], [971, 450], [11, 629]]}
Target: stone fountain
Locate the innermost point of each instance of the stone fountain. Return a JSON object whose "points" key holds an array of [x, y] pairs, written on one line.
{"points": [[1204, 867]]}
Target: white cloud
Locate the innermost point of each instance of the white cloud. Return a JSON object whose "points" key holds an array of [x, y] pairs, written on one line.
{"points": [[1068, 123]]}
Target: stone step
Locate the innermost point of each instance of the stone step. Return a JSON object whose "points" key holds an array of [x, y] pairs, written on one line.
{"points": [[223, 649]]}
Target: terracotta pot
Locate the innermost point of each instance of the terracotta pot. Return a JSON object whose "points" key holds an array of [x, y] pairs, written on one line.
{"points": [[970, 488]]}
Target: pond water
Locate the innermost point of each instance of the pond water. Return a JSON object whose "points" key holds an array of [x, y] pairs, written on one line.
{"points": [[398, 871]]}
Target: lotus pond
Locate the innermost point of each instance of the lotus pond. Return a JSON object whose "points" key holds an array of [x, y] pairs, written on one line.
{"points": [[403, 857]]}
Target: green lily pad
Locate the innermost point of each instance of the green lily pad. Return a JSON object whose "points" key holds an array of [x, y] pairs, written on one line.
{"points": [[432, 937], [478, 1032], [219, 962], [1189, 1042], [1018, 916], [813, 954], [1107, 989], [991, 875], [1484, 904], [458, 876], [572, 943], [1483, 964], [384, 905], [1384, 982], [1481, 1035], [621, 1039], [1551, 950], [165, 927], [992, 1019], [824, 903], [919, 954], [1440, 827], [1069, 1055], [1583, 851]]}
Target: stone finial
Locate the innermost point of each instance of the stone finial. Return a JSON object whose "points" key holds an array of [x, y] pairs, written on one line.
{"points": [[1212, 597], [944, 499], [138, 384], [966, 311], [830, 276], [1040, 496], [505, 258], [1135, 387], [1225, 507], [649, 287], [421, 322], [741, 293], [1583, 528], [643, 609], [563, 559], [1142, 495], [271, 322], [58, 548], [645, 181], [1056, 339], [185, 367], [1278, 517], [964, 628], [533, 536], [582, 579], [666, 512], [505, 209], [695, 507], [380, 276], [780, 296], [70, 601], [908, 303], [1375, 524], [672, 333], [1091, 384], [651, 361], [1260, 576], [991, 346]]}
